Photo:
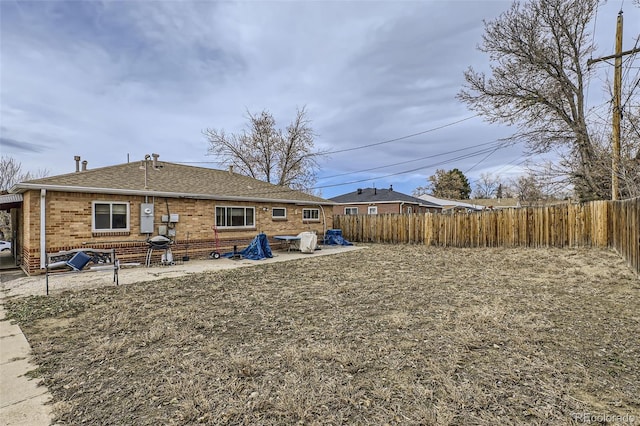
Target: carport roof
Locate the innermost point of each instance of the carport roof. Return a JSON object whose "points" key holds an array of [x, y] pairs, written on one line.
{"points": [[10, 201]]}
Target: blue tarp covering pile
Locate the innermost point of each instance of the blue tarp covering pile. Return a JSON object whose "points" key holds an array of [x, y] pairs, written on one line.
{"points": [[256, 250], [333, 237]]}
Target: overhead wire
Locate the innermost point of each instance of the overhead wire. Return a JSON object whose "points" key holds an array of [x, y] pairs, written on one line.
{"points": [[427, 166], [338, 151], [497, 141], [479, 162], [402, 137]]}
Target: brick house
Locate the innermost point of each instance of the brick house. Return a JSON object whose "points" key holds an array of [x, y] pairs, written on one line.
{"points": [[380, 201], [122, 206]]}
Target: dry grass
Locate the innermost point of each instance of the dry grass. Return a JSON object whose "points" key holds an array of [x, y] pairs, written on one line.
{"points": [[385, 335]]}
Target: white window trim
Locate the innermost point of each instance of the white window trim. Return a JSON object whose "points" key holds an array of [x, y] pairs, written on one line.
{"points": [[372, 210], [351, 208], [279, 217], [311, 219], [215, 217], [111, 203]]}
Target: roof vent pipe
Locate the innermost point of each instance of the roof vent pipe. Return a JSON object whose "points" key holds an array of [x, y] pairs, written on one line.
{"points": [[77, 158], [84, 165], [390, 187], [155, 160], [231, 169], [359, 191]]}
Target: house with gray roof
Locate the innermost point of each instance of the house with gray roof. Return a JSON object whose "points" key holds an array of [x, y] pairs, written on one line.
{"points": [[380, 201], [122, 206]]}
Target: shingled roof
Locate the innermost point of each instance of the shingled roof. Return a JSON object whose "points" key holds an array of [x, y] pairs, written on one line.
{"points": [[377, 195], [170, 180]]}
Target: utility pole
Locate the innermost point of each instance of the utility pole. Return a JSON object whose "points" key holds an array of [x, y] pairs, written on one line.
{"points": [[617, 108]]}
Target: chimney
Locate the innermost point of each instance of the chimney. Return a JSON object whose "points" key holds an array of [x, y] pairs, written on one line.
{"points": [[155, 160], [231, 169], [77, 158], [84, 165]]}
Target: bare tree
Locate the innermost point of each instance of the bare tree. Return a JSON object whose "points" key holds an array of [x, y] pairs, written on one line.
{"points": [[262, 151], [527, 189], [11, 173], [539, 51], [487, 186], [629, 177]]}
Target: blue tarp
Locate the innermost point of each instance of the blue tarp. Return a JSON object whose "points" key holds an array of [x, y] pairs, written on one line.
{"points": [[256, 250], [333, 237]]}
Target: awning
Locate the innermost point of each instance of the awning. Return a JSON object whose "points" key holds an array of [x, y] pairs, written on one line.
{"points": [[10, 201]]}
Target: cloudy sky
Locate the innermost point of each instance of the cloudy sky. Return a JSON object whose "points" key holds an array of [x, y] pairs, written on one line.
{"points": [[115, 80]]}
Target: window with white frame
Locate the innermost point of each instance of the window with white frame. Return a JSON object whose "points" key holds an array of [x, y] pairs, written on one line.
{"points": [[110, 216], [310, 214], [372, 210], [235, 217], [350, 210], [278, 213]]}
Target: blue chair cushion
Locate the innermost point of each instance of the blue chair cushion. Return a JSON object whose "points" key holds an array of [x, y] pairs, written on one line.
{"points": [[79, 261]]}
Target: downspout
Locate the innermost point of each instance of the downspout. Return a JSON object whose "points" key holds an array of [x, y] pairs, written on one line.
{"points": [[43, 225], [401, 205]]}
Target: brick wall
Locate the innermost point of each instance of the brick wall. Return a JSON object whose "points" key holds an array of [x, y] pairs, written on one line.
{"points": [[69, 226], [383, 208]]}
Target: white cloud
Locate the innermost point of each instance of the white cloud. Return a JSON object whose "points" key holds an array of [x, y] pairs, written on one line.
{"points": [[107, 79]]}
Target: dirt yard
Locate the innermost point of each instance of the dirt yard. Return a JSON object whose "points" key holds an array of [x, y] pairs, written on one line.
{"points": [[383, 335]]}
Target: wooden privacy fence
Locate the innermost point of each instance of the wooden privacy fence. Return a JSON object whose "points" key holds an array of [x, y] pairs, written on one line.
{"points": [[613, 224]]}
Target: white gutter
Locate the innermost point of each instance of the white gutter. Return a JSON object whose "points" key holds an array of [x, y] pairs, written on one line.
{"points": [[113, 191], [43, 226]]}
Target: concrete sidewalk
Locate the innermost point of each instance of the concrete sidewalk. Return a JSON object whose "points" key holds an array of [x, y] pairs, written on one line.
{"points": [[22, 400]]}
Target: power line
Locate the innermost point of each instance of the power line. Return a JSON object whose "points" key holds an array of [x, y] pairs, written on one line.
{"points": [[367, 145], [497, 141], [462, 157], [402, 137], [489, 148], [492, 148], [487, 156], [504, 168], [351, 182]]}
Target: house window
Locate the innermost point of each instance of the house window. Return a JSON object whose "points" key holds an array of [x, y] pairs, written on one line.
{"points": [[350, 210], [409, 209], [235, 217], [372, 210], [278, 213], [310, 214], [110, 216]]}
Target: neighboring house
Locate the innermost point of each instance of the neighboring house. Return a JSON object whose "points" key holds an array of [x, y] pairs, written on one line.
{"points": [[475, 204], [450, 205], [379, 201], [122, 206], [497, 203]]}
